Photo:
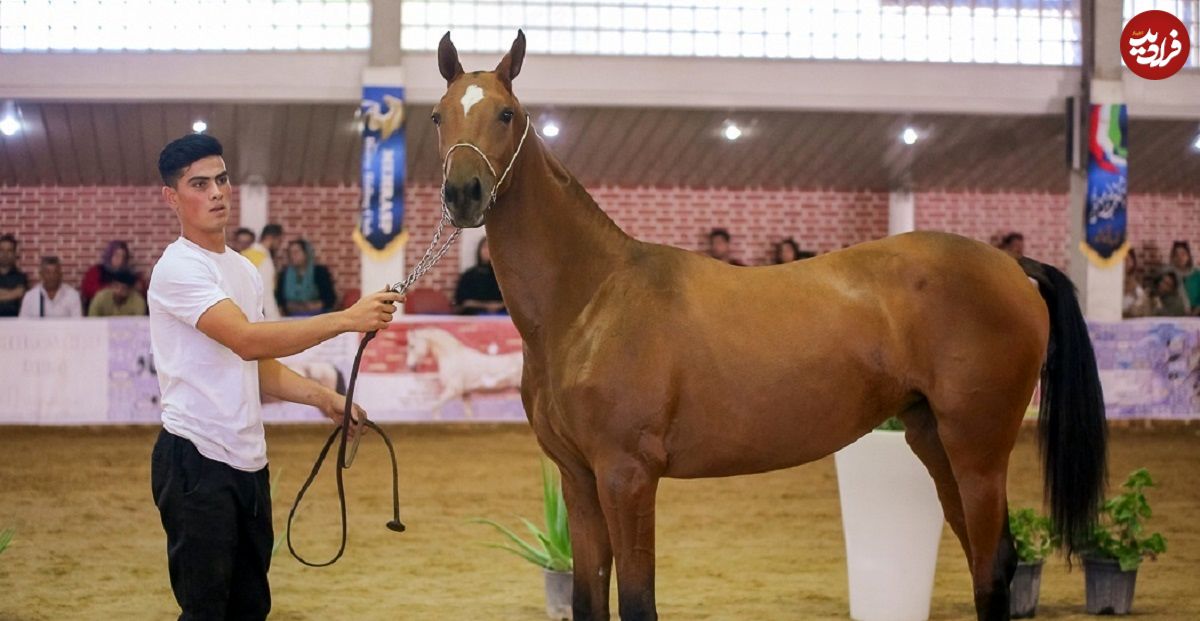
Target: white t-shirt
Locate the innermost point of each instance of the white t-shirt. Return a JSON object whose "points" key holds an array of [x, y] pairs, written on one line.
{"points": [[209, 394], [37, 303]]}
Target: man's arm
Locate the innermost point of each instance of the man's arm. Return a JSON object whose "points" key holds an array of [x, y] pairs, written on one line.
{"points": [[15, 293], [277, 380], [225, 323]]}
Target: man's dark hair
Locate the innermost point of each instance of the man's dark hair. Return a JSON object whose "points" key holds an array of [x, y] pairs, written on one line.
{"points": [[183, 152], [244, 231], [7, 237], [1010, 238], [722, 233], [125, 277], [50, 260], [271, 230]]}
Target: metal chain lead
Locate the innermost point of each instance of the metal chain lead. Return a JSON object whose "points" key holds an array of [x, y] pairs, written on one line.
{"points": [[433, 254]]}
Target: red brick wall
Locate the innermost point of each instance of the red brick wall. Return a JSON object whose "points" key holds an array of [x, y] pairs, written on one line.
{"points": [[76, 222]]}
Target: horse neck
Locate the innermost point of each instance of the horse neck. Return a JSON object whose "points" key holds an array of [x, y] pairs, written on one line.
{"points": [[552, 246]]}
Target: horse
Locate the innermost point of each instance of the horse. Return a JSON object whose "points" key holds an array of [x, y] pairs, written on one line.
{"points": [[462, 369], [645, 361]]}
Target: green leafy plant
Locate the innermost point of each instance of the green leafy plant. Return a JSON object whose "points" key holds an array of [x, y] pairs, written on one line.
{"points": [[551, 548], [1120, 535], [891, 424], [6, 537], [1032, 535]]}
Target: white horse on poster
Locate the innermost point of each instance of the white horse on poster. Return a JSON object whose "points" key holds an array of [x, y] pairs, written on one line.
{"points": [[463, 369]]}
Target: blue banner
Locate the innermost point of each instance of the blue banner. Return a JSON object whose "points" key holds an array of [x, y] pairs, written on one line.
{"points": [[380, 229], [1105, 242]]}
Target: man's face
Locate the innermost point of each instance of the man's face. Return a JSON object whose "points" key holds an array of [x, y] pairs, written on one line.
{"points": [[718, 247], [202, 195], [120, 292], [242, 241], [272, 243], [8, 254], [51, 275]]}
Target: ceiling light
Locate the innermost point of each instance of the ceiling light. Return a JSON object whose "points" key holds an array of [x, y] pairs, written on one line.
{"points": [[732, 132], [199, 127], [909, 136], [9, 126], [1196, 145], [550, 129]]}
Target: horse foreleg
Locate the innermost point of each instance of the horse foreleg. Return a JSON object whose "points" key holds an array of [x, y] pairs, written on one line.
{"points": [[590, 546], [627, 493]]}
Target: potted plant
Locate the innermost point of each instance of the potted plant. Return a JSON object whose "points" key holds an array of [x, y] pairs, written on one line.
{"points": [[1032, 536], [6, 537], [892, 522], [1117, 547], [551, 548]]}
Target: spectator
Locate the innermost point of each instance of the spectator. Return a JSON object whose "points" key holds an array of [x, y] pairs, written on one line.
{"points": [[1135, 302], [243, 238], [305, 288], [116, 257], [719, 246], [1187, 274], [478, 293], [13, 281], [787, 251], [262, 255], [51, 298], [1168, 299], [1013, 244], [119, 299]]}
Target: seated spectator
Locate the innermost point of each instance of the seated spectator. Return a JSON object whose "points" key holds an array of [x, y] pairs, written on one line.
{"points": [[304, 288], [1187, 274], [1135, 302], [478, 293], [788, 250], [51, 298], [1013, 244], [719, 243], [243, 238], [119, 299], [1168, 299], [13, 281], [115, 257]]}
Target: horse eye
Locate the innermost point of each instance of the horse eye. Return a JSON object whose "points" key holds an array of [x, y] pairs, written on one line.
{"points": [[506, 115], [437, 118]]}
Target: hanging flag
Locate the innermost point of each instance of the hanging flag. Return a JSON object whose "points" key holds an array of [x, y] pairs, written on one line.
{"points": [[380, 229], [1105, 242]]}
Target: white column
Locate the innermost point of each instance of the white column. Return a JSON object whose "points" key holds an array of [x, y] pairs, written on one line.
{"points": [[901, 212], [253, 198]]}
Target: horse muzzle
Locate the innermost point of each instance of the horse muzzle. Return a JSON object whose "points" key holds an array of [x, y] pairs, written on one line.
{"points": [[467, 201]]}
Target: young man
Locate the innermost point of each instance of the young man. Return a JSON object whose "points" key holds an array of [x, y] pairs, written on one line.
{"points": [[719, 246], [51, 299], [243, 238], [262, 255], [215, 358], [13, 281]]}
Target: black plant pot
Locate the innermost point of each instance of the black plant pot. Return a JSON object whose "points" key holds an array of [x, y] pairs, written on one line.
{"points": [[1109, 590], [1023, 593]]}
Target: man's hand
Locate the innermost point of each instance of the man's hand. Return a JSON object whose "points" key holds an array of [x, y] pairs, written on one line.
{"points": [[372, 312], [333, 405]]}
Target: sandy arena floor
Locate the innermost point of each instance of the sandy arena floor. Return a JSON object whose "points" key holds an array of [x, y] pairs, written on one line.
{"points": [[89, 545]]}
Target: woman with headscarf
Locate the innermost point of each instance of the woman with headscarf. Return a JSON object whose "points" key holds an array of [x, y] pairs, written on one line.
{"points": [[304, 288], [477, 292]]}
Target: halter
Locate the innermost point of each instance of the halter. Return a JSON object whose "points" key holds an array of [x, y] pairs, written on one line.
{"points": [[500, 181], [345, 455]]}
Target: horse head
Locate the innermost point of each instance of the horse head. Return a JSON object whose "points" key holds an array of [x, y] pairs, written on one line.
{"points": [[481, 127]]}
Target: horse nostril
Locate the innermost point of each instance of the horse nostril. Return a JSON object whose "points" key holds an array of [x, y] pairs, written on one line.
{"points": [[450, 193], [476, 189]]}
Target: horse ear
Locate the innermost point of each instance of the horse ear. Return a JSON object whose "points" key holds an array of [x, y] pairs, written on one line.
{"points": [[448, 59], [510, 65]]}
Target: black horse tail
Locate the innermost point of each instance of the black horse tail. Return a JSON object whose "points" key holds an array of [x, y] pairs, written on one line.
{"points": [[1072, 428]]}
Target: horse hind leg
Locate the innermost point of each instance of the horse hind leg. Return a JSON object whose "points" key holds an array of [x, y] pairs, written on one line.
{"points": [[921, 432]]}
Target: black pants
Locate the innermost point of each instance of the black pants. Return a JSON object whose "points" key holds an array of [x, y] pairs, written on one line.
{"points": [[219, 535]]}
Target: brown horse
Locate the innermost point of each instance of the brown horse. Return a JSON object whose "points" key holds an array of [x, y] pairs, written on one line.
{"points": [[644, 361]]}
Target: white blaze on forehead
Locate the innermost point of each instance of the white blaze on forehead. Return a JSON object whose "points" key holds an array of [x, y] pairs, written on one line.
{"points": [[473, 96]]}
